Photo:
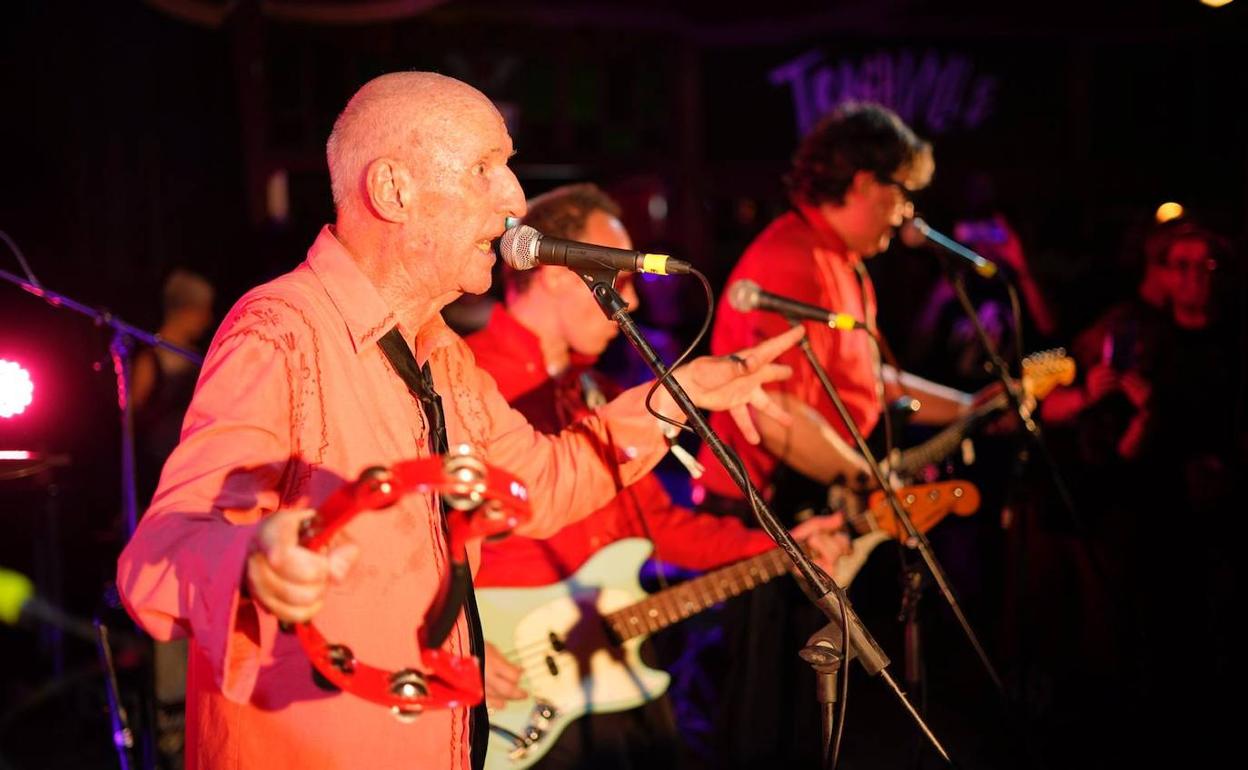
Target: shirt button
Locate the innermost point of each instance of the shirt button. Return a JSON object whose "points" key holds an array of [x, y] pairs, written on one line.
{"points": [[630, 452]]}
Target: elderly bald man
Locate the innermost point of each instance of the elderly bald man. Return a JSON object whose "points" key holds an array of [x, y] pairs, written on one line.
{"points": [[297, 394]]}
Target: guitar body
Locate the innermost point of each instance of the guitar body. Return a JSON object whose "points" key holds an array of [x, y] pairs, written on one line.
{"points": [[582, 671], [573, 665], [848, 566]]}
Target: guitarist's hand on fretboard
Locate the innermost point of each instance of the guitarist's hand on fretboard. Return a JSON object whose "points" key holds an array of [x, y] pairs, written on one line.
{"points": [[824, 538], [1008, 421]]}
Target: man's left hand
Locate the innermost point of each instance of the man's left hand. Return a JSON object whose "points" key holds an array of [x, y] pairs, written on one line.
{"points": [[824, 537], [734, 383]]}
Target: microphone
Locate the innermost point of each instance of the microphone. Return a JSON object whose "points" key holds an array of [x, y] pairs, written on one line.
{"points": [[745, 296], [18, 603], [915, 233], [524, 248]]}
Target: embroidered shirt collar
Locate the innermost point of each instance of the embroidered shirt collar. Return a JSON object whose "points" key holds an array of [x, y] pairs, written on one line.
{"points": [[365, 313]]}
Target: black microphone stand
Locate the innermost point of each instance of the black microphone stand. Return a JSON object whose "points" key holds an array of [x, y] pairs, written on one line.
{"points": [[123, 736], [121, 351], [914, 538], [818, 586], [1014, 394]]}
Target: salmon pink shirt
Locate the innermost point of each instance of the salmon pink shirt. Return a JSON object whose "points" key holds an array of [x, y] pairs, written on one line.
{"points": [[296, 397]]}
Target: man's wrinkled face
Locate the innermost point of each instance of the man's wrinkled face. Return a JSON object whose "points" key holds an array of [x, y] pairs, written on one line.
{"points": [[463, 193], [583, 325]]}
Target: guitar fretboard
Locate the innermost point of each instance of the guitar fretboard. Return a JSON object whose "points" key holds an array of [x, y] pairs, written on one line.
{"points": [[673, 605]]}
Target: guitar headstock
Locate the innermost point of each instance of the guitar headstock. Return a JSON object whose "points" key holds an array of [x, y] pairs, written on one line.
{"points": [[926, 504], [1046, 370]]}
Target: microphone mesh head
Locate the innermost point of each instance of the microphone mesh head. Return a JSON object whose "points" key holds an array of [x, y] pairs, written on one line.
{"points": [[914, 232], [518, 247], [743, 296]]}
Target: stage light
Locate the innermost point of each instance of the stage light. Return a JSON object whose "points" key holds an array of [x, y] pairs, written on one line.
{"points": [[1215, 3], [16, 389], [1168, 211]]}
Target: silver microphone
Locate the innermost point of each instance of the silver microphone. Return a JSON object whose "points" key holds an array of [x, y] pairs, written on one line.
{"points": [[524, 248]]}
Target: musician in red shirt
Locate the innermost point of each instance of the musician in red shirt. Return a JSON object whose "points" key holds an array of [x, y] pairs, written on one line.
{"points": [[851, 184], [540, 349]]}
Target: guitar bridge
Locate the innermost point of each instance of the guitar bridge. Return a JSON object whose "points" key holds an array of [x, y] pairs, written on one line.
{"points": [[539, 724]]}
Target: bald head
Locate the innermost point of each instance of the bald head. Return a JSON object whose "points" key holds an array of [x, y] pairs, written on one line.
{"points": [[418, 165], [388, 117]]}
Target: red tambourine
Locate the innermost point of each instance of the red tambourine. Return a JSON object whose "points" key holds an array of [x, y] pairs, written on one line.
{"points": [[481, 502]]}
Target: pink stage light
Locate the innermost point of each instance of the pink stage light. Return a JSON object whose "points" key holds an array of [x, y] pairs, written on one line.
{"points": [[17, 391]]}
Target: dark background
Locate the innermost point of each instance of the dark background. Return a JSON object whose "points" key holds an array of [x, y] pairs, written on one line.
{"points": [[133, 141]]}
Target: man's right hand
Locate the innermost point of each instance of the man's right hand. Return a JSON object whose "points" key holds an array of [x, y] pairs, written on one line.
{"points": [[502, 679], [287, 579]]}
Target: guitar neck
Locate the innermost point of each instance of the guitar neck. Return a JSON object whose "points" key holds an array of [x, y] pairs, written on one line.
{"points": [[943, 443], [674, 604]]}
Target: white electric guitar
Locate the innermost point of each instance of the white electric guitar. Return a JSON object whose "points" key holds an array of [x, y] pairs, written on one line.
{"points": [[577, 641]]}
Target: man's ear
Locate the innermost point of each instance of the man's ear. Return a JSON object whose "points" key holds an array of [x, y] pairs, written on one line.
{"points": [[862, 182], [388, 189]]}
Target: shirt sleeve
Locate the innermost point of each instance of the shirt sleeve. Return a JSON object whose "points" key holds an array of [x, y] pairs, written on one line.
{"points": [[776, 268], [687, 538], [572, 474], [180, 573]]}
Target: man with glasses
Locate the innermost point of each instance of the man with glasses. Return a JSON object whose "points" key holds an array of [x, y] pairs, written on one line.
{"points": [[851, 187]]}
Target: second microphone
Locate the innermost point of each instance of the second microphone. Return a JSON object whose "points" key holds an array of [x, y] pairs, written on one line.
{"points": [[745, 296]]}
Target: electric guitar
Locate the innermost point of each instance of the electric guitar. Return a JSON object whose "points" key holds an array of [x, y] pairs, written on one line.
{"points": [[1042, 372], [926, 504], [578, 641]]}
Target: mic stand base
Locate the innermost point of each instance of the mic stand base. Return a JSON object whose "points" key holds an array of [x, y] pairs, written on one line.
{"points": [[823, 653]]}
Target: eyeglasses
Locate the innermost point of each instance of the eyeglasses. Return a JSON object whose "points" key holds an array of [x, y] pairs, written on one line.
{"points": [[906, 193], [1196, 266]]}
